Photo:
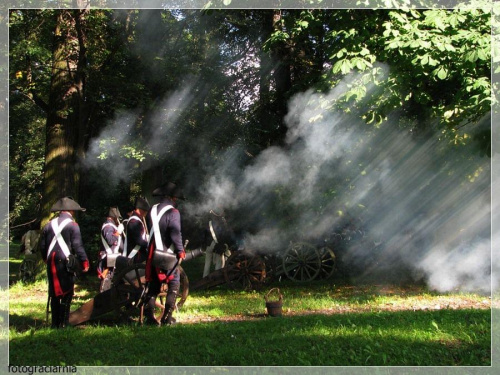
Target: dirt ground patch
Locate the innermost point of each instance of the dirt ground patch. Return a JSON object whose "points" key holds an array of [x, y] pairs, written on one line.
{"points": [[411, 299]]}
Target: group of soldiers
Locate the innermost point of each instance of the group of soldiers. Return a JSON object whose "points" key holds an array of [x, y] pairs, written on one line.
{"points": [[147, 230]]}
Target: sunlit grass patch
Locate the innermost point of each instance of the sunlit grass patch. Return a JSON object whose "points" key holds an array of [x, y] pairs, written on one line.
{"points": [[323, 324]]}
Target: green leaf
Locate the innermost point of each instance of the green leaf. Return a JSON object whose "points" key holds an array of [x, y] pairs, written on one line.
{"points": [[400, 17], [433, 62], [394, 44], [364, 51], [415, 43], [360, 64], [455, 19], [483, 54], [425, 44], [449, 47], [441, 72], [344, 66], [472, 56]]}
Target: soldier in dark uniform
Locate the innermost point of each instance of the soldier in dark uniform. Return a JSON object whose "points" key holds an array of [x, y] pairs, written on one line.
{"points": [[136, 243], [169, 226], [218, 241], [111, 246], [129, 211], [61, 242]]}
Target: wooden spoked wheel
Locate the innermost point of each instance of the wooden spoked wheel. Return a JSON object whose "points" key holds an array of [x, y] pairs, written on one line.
{"points": [[129, 284], [273, 267], [301, 262], [28, 270], [127, 287], [244, 270], [328, 264]]}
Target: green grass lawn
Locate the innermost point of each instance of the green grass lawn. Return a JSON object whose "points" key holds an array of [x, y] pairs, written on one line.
{"points": [[323, 324], [404, 338]]}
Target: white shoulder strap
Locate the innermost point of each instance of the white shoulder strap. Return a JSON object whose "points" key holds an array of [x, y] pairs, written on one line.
{"points": [[136, 248], [57, 237], [212, 231], [155, 218], [114, 249]]}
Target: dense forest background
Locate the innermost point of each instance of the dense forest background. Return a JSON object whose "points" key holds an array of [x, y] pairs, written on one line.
{"points": [[301, 124]]}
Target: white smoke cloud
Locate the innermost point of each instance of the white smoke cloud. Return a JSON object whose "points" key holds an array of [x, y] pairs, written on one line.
{"points": [[272, 167], [110, 152], [421, 207], [466, 267], [105, 151], [162, 126]]}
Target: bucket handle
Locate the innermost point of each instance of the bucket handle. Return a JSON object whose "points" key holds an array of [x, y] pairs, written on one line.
{"points": [[273, 289]]}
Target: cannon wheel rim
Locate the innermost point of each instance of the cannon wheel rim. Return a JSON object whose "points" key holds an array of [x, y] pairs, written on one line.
{"points": [[27, 270], [244, 270], [301, 262], [138, 288], [127, 290], [273, 266], [328, 263], [183, 290]]}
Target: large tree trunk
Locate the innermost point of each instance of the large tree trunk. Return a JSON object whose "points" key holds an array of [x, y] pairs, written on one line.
{"points": [[66, 114]]}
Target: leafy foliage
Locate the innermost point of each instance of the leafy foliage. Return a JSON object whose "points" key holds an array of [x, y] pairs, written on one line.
{"points": [[439, 63], [428, 68]]}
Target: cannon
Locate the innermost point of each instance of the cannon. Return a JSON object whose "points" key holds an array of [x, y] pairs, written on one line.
{"points": [[30, 267], [124, 297], [247, 269]]}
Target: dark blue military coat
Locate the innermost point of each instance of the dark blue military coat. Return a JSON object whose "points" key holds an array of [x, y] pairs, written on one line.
{"points": [[61, 281], [114, 241], [136, 238], [170, 229]]}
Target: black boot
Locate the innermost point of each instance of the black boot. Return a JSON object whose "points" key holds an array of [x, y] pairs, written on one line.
{"points": [[167, 318], [55, 307], [149, 312], [65, 310]]}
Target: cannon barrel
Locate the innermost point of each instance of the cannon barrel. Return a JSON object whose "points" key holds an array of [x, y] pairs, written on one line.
{"points": [[122, 262], [190, 255]]}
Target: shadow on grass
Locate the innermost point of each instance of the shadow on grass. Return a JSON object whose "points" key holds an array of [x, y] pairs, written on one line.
{"points": [[22, 323], [421, 338]]}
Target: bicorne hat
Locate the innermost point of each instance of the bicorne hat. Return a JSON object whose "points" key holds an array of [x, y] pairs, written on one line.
{"points": [[168, 189], [66, 204], [141, 203], [114, 212]]}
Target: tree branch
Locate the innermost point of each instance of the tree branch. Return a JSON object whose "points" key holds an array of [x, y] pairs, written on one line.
{"points": [[35, 99]]}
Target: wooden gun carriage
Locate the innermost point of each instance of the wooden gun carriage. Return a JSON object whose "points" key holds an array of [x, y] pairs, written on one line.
{"points": [[300, 262], [125, 295], [247, 269]]}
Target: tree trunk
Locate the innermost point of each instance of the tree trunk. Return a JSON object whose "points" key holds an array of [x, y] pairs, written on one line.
{"points": [[265, 70], [66, 115], [282, 79]]}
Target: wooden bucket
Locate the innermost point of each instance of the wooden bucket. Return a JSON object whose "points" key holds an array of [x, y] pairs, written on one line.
{"points": [[274, 308]]}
